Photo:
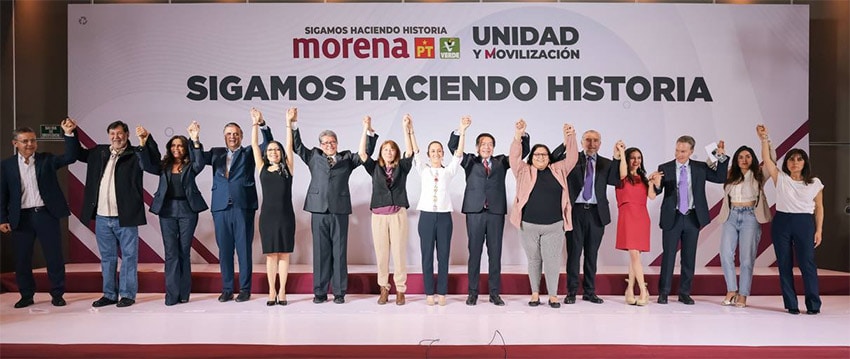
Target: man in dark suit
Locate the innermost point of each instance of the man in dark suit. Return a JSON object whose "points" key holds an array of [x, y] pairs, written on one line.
{"points": [[485, 206], [329, 202], [588, 184], [234, 203], [31, 205], [114, 199], [684, 211]]}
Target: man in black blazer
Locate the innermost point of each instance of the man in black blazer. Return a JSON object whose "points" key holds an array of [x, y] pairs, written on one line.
{"points": [[31, 205], [329, 202], [588, 184], [234, 204], [114, 199], [684, 211], [485, 206]]}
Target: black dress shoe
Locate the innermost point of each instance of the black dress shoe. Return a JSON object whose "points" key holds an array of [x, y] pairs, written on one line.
{"points": [[592, 298], [662, 299], [813, 312], [686, 299], [497, 300], [125, 302], [24, 302], [555, 304], [472, 299], [58, 301], [184, 300], [243, 296], [225, 297], [570, 299], [339, 299], [793, 311], [169, 303], [282, 302], [271, 303], [320, 299], [103, 301], [534, 303]]}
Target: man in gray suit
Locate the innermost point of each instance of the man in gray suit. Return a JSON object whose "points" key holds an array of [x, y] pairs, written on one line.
{"points": [[329, 201]]}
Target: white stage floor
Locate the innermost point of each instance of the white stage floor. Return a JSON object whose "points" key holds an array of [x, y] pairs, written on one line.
{"points": [[361, 321]]}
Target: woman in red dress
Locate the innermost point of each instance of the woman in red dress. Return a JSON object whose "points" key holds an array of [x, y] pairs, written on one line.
{"points": [[633, 220]]}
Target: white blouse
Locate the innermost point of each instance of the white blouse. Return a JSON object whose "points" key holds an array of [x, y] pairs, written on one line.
{"points": [[435, 183], [746, 190], [796, 196]]}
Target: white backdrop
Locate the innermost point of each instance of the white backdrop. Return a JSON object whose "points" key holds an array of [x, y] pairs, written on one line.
{"points": [[726, 68]]}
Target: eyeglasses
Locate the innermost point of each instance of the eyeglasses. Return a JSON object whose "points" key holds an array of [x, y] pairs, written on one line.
{"points": [[328, 143]]}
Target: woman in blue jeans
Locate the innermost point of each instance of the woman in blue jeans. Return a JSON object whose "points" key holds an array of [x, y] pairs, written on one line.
{"points": [[744, 209], [798, 225]]}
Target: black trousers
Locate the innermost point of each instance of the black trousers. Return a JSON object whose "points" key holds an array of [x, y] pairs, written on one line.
{"points": [[178, 223], [586, 237], [684, 233], [435, 231], [38, 224], [330, 252], [793, 235], [485, 228]]}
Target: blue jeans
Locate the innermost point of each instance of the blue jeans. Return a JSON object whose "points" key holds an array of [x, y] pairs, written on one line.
{"points": [[743, 231], [110, 236]]}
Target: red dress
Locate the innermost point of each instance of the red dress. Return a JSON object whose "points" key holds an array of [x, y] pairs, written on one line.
{"points": [[633, 219]]}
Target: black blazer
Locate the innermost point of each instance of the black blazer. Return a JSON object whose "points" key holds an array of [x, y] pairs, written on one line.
{"points": [[396, 195], [700, 173], [239, 187], [187, 180], [128, 180], [46, 165], [479, 186], [328, 191], [606, 172]]}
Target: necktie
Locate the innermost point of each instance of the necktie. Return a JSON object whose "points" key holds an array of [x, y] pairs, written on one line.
{"points": [[487, 167], [587, 192], [331, 161], [683, 189]]}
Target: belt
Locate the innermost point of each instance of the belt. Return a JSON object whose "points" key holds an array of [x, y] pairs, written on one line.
{"points": [[33, 209], [586, 205]]}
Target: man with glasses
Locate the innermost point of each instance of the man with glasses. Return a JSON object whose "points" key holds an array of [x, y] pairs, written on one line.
{"points": [[485, 206], [234, 203], [329, 202]]}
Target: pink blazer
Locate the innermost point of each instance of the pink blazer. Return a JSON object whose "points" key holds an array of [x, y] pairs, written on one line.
{"points": [[526, 177]]}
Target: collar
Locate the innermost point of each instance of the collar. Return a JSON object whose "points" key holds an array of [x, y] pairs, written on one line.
{"points": [[679, 165], [22, 159], [591, 156], [117, 152]]}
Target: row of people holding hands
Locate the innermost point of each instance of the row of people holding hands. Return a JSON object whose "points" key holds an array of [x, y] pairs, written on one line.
{"points": [[560, 193]]}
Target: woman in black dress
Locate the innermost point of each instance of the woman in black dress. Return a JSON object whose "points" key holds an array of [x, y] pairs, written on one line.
{"points": [[277, 219]]}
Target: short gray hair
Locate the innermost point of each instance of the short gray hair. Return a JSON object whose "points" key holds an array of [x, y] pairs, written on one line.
{"points": [[327, 133], [21, 130]]}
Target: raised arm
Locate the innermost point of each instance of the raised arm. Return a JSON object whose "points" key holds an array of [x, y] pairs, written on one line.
{"points": [[147, 151], [570, 148], [197, 150], [654, 182], [407, 125], [620, 151], [515, 154], [465, 122], [718, 174], [72, 144], [367, 124], [291, 116], [769, 162], [256, 119]]}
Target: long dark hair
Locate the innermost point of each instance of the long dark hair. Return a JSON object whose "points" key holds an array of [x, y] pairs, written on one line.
{"points": [[736, 175], [641, 171], [168, 159], [282, 168], [530, 159], [807, 168]]}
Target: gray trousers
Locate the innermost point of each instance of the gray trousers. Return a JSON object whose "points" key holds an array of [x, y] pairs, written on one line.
{"points": [[544, 247]]}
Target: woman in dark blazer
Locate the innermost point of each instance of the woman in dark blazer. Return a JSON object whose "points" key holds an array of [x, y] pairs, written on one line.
{"points": [[178, 201]]}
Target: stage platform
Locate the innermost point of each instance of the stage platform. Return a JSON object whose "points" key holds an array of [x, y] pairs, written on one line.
{"points": [[206, 278]]}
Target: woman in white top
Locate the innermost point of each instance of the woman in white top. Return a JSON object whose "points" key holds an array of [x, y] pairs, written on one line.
{"points": [[435, 206], [795, 229], [744, 209]]}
